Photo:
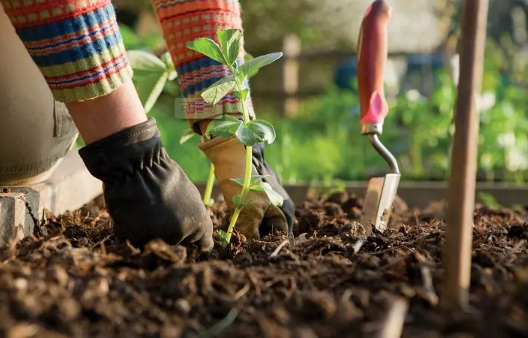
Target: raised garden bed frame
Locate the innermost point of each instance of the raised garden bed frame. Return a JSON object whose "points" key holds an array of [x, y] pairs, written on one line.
{"points": [[415, 194]]}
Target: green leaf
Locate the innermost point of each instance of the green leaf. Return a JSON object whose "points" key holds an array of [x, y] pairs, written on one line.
{"points": [[248, 57], [223, 237], [230, 44], [241, 95], [257, 187], [256, 178], [237, 202], [225, 79], [209, 48], [223, 126], [238, 180], [256, 131], [189, 133], [219, 89], [149, 88], [241, 77], [130, 38], [254, 181], [274, 197], [221, 233], [142, 61], [251, 67], [172, 75], [167, 60], [247, 136], [150, 76]]}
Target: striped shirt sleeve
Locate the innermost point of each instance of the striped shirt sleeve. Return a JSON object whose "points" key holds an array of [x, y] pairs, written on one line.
{"points": [[185, 20], [75, 43]]}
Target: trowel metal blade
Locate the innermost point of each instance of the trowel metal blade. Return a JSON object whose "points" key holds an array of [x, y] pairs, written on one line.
{"points": [[377, 206]]}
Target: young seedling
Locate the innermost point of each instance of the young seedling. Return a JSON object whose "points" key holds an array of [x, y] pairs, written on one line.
{"points": [[249, 132]]}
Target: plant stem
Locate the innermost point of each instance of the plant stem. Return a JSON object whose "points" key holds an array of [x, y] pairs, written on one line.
{"points": [[245, 191], [249, 167], [209, 187]]}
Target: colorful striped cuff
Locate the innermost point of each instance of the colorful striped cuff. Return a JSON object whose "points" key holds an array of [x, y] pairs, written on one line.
{"points": [[185, 20], [76, 45]]}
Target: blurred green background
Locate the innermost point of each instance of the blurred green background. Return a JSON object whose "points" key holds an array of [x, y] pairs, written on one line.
{"points": [[321, 140]]}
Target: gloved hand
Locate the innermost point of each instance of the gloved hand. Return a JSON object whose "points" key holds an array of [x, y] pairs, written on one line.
{"points": [[147, 194], [260, 217]]}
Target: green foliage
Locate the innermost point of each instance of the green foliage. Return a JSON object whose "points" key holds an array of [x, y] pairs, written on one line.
{"points": [[267, 21], [252, 66], [223, 237], [189, 133], [323, 142], [209, 48], [134, 42], [224, 126], [256, 184], [275, 197], [489, 200], [426, 124], [217, 91], [230, 43], [151, 73], [240, 202], [256, 131]]}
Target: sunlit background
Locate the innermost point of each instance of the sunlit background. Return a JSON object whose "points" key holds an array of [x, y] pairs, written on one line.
{"points": [[309, 95]]}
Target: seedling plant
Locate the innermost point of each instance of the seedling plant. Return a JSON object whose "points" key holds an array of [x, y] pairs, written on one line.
{"points": [[249, 132], [151, 73]]}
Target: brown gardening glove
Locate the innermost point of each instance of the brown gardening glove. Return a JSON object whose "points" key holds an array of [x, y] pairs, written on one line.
{"points": [[260, 217], [147, 194]]}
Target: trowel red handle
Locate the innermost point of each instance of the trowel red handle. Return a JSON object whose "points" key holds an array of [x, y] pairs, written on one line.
{"points": [[372, 57]]}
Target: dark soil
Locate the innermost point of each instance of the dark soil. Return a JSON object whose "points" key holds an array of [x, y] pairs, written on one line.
{"points": [[72, 279]]}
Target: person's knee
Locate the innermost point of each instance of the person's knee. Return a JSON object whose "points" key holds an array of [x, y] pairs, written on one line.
{"points": [[33, 142], [36, 130]]}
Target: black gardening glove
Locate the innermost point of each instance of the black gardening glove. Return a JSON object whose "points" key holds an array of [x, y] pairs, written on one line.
{"points": [[146, 193], [263, 168]]}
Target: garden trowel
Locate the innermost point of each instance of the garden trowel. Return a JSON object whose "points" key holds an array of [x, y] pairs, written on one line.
{"points": [[372, 57]]}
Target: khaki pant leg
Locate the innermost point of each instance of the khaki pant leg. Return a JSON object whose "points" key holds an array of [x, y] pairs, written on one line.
{"points": [[36, 132]]}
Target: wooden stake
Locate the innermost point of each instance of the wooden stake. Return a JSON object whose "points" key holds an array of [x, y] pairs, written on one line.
{"points": [[461, 192]]}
